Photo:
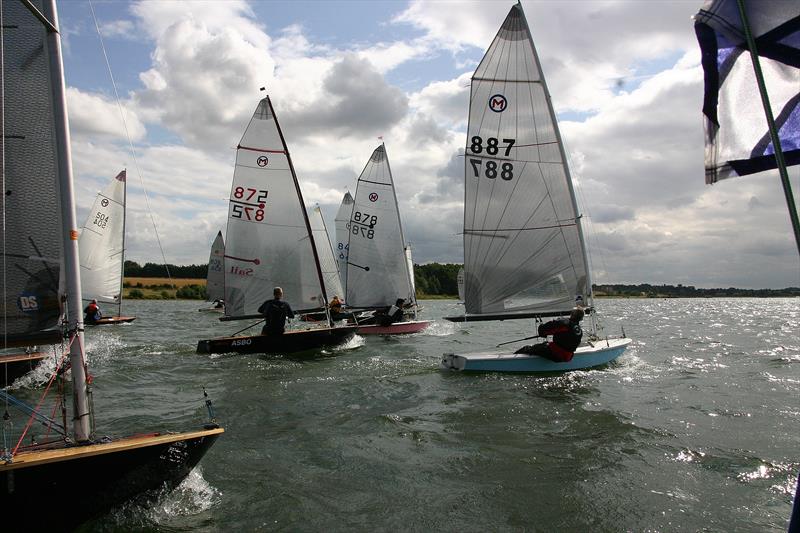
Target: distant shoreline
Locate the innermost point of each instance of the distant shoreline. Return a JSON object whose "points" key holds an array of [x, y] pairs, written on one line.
{"points": [[154, 288]]}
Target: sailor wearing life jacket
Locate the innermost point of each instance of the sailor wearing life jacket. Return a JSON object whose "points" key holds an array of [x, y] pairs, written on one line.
{"points": [[566, 334]]}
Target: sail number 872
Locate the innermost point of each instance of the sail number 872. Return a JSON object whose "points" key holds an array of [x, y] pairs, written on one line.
{"points": [[491, 169]]}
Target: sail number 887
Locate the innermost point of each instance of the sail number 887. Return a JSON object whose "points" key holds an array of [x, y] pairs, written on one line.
{"points": [[491, 169]]}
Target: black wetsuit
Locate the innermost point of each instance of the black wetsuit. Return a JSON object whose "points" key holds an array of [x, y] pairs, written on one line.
{"points": [[275, 312]]}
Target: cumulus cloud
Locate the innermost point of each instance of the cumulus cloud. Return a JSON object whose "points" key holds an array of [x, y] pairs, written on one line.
{"points": [[626, 75]]}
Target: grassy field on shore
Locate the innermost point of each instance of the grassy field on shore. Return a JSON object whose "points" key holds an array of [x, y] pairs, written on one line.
{"points": [[163, 288]]}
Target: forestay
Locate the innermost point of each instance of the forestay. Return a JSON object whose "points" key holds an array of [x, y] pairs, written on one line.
{"points": [[327, 261], [523, 249], [377, 271], [268, 232], [215, 279], [32, 237], [102, 242], [342, 223]]}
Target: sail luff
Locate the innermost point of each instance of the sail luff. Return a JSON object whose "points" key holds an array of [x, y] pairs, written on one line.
{"points": [[302, 209], [409, 273], [585, 253], [82, 413], [342, 223]]}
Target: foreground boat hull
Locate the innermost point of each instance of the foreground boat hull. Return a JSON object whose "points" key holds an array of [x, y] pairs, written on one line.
{"points": [[289, 342], [104, 475], [111, 320], [398, 328], [13, 366], [601, 353]]}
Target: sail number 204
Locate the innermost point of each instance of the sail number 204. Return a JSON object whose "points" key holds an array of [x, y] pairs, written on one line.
{"points": [[490, 168]]}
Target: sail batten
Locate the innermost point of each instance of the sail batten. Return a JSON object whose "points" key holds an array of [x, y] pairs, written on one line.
{"points": [[523, 247]]}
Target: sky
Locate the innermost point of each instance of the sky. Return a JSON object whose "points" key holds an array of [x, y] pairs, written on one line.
{"points": [[624, 76]]}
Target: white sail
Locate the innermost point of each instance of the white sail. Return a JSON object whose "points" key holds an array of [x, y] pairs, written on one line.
{"points": [[377, 271], [410, 266], [342, 223], [327, 261], [268, 235], [523, 247], [102, 242], [215, 279]]}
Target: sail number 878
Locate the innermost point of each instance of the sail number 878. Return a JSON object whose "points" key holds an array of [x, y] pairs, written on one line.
{"points": [[491, 169]]}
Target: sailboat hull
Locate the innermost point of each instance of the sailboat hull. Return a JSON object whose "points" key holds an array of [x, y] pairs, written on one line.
{"points": [[398, 328], [601, 353], [289, 342], [104, 475], [111, 320], [15, 365]]}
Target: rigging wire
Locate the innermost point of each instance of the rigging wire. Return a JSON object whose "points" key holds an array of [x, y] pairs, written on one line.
{"points": [[3, 180], [130, 142]]}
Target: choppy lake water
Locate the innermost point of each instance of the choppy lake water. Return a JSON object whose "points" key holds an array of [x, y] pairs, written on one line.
{"points": [[694, 428]]}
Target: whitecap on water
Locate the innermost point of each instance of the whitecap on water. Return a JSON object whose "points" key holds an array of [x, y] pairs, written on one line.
{"points": [[356, 342], [194, 495], [440, 329]]}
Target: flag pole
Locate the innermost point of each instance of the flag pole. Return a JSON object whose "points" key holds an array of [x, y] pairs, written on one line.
{"points": [[773, 132]]}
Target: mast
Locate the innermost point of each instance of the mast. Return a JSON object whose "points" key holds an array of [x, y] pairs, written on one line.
{"points": [[303, 210], [557, 132], [124, 219], [773, 132], [81, 408]]}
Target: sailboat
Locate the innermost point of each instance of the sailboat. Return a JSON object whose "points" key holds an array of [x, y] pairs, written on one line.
{"points": [[377, 263], [41, 271], [342, 223], [102, 250], [270, 244], [524, 252], [328, 265], [215, 278]]}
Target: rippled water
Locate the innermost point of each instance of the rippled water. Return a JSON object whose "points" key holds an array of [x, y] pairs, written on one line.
{"points": [[694, 428]]}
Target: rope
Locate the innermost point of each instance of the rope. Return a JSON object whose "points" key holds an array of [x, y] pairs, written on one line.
{"points": [[39, 404], [130, 142]]}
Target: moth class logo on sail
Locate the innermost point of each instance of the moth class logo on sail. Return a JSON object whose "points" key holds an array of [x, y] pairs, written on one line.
{"points": [[498, 103]]}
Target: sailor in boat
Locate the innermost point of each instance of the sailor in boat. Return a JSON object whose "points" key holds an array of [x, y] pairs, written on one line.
{"points": [[92, 313], [337, 310], [275, 312], [567, 334], [219, 304], [393, 314]]}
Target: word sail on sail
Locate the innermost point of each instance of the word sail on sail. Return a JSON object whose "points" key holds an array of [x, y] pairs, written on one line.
{"points": [[270, 244], [524, 252]]}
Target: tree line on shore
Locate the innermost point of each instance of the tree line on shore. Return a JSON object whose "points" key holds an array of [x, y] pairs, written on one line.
{"points": [[440, 280]]}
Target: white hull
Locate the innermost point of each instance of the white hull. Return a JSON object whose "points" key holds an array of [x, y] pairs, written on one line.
{"points": [[587, 356]]}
